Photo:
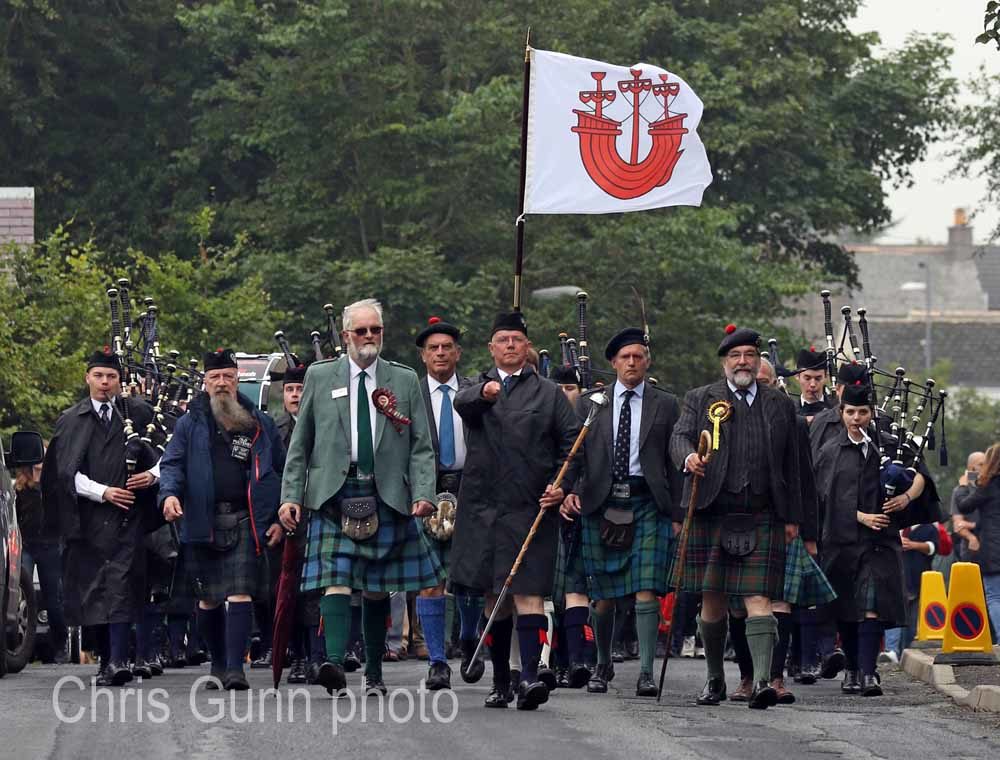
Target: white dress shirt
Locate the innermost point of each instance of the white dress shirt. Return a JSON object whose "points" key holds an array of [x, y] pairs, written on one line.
{"points": [[370, 387], [503, 375], [751, 391], [634, 468], [437, 397], [89, 488]]}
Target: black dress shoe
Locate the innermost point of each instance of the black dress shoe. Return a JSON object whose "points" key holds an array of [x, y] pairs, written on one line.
{"points": [[197, 657], [870, 686], [617, 655], [375, 685], [578, 675], [713, 693], [351, 662], [500, 695], [471, 670], [156, 666], [645, 686], [176, 662], [631, 650], [548, 677], [264, 661], [141, 669], [215, 682], [531, 695], [298, 672], [852, 682], [116, 674], [330, 675], [763, 696], [562, 678], [439, 676], [235, 680], [809, 675], [598, 683], [832, 664]]}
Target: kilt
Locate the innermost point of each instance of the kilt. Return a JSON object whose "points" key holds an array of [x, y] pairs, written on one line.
{"points": [[867, 578], [216, 575], [805, 583], [708, 567], [570, 575], [644, 566], [440, 549], [397, 558]]}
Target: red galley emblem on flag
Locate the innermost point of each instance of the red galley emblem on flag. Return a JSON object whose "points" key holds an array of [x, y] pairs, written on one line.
{"points": [[617, 176]]}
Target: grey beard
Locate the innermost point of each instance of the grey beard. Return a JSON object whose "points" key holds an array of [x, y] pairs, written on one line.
{"points": [[364, 355], [742, 378], [231, 415]]}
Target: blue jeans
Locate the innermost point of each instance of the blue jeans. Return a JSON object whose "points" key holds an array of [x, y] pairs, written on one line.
{"points": [[991, 587], [47, 557]]}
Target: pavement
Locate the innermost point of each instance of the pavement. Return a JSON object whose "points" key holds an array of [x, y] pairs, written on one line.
{"points": [[971, 686], [912, 720]]}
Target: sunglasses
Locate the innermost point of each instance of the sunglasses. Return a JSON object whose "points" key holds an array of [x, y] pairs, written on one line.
{"points": [[362, 332]]}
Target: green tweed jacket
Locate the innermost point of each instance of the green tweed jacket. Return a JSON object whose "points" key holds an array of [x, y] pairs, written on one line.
{"points": [[320, 450]]}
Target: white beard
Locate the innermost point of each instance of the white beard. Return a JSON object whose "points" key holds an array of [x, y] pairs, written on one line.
{"points": [[743, 378], [364, 355], [231, 415]]}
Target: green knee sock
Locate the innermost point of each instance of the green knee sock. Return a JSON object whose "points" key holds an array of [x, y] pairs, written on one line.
{"points": [[604, 624], [336, 612], [647, 626], [374, 622], [713, 638], [762, 632]]}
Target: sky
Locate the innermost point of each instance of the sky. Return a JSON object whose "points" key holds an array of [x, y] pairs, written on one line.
{"points": [[925, 210]]}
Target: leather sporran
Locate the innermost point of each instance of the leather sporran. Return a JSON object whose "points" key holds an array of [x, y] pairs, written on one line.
{"points": [[359, 517], [738, 536], [226, 530], [617, 528]]}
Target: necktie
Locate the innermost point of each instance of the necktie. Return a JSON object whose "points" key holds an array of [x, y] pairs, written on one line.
{"points": [[105, 415], [744, 396], [366, 454], [446, 430], [507, 382], [624, 439]]}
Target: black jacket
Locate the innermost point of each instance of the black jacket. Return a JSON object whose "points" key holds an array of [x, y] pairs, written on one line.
{"points": [[660, 412], [986, 500], [285, 424], [782, 450]]}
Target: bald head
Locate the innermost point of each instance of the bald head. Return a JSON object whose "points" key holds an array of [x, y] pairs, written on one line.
{"points": [[766, 374]]}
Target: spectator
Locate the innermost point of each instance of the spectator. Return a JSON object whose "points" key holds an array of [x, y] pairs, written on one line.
{"points": [[920, 544], [984, 498], [963, 526]]}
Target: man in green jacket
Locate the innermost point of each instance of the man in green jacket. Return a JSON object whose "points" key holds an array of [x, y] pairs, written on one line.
{"points": [[360, 471]]}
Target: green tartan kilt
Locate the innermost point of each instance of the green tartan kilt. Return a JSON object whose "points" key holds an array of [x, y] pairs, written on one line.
{"points": [[806, 585], [217, 575], [645, 566], [570, 577], [708, 567], [397, 558]]}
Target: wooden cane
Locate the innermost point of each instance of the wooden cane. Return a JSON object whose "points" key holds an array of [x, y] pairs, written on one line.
{"points": [[599, 401], [705, 452]]}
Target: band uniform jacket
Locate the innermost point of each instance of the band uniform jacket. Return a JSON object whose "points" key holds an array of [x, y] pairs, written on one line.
{"points": [[660, 412], [780, 430]]}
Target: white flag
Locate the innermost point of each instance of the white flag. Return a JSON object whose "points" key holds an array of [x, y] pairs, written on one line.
{"points": [[605, 138]]}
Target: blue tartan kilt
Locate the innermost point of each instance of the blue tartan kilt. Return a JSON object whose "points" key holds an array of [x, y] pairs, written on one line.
{"points": [[215, 575], [397, 558], [570, 576], [806, 585], [644, 566]]}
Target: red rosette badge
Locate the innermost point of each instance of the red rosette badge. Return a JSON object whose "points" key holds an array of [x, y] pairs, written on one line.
{"points": [[385, 403]]}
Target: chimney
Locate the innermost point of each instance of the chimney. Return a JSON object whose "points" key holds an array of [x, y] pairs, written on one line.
{"points": [[960, 236], [17, 215]]}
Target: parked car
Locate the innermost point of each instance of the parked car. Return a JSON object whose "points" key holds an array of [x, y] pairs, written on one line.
{"points": [[17, 591], [255, 372]]}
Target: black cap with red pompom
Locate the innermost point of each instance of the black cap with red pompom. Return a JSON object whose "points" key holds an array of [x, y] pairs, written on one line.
{"points": [[738, 336], [810, 358], [104, 357], [856, 394], [435, 325]]}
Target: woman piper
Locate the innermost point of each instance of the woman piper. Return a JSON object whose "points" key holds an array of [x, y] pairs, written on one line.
{"points": [[863, 553]]}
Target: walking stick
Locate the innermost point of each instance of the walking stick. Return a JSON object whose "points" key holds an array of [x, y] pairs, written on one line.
{"points": [[705, 452], [598, 402]]}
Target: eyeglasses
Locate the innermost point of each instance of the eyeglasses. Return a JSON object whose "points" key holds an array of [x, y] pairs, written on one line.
{"points": [[737, 356], [362, 332]]}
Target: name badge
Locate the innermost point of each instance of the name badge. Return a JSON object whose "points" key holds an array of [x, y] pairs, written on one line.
{"points": [[338, 393]]}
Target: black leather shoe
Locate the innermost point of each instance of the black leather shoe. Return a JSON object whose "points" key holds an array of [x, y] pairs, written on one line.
{"points": [[330, 675], [235, 680], [141, 669], [832, 664], [439, 676], [500, 695], [578, 675], [531, 695], [156, 666], [375, 685], [298, 672], [617, 655], [471, 671], [645, 686], [852, 682], [215, 682], [598, 683], [197, 657], [631, 650], [176, 662], [264, 661], [713, 693], [351, 662], [562, 678], [809, 675], [548, 677], [115, 674], [870, 686], [763, 696]]}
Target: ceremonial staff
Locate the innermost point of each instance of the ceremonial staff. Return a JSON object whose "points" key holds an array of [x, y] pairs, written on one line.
{"points": [[718, 413], [598, 401]]}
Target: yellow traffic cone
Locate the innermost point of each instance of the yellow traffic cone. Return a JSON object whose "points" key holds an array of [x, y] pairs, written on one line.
{"points": [[933, 610], [967, 633]]}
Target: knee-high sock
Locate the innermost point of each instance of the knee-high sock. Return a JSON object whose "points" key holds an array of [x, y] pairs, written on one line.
{"points": [[176, 629], [531, 630], [449, 619], [849, 640], [781, 645], [143, 636], [432, 611], [808, 637], [515, 648], [239, 622], [622, 609], [118, 640], [795, 646], [470, 609], [713, 638], [375, 624], [575, 624], [647, 626], [317, 644], [826, 631], [559, 645], [335, 610], [604, 626], [212, 627], [738, 638], [869, 645], [499, 643], [762, 632], [262, 616]]}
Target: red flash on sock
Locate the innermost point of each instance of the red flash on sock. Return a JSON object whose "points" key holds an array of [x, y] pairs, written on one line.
{"points": [[488, 641], [543, 637], [588, 633], [320, 631]]}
